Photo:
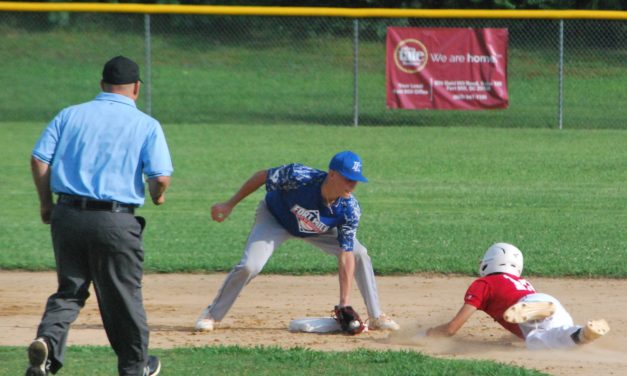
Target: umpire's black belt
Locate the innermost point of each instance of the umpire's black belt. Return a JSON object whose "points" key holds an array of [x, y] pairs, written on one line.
{"points": [[86, 203]]}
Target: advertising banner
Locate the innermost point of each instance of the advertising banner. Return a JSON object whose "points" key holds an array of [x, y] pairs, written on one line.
{"points": [[446, 68]]}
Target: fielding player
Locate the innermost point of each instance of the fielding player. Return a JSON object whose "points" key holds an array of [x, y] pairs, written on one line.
{"points": [[512, 301], [308, 204]]}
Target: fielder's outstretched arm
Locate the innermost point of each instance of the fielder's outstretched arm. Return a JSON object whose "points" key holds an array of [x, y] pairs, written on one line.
{"points": [[450, 328], [221, 210], [346, 271]]}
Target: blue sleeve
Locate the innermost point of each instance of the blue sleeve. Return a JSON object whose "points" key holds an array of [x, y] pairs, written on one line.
{"points": [[156, 154], [289, 176], [46, 146], [347, 232]]}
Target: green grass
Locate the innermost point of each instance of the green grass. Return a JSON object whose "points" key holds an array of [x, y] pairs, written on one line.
{"points": [[219, 360], [204, 79], [437, 197]]}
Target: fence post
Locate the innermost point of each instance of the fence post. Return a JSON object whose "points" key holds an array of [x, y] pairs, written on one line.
{"points": [[560, 105], [356, 72], [148, 66]]}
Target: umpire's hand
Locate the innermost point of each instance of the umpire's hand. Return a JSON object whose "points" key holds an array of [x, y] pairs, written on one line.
{"points": [[220, 211], [45, 211]]}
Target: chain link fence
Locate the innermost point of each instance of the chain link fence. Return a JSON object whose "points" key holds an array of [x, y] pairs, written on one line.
{"points": [[225, 69]]}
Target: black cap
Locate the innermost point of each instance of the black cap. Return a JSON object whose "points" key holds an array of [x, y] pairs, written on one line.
{"points": [[120, 70]]}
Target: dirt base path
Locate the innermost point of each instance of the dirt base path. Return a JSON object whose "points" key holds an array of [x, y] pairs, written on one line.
{"points": [[262, 314]]}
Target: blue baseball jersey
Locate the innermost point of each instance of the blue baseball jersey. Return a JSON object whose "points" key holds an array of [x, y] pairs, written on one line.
{"points": [[294, 197]]}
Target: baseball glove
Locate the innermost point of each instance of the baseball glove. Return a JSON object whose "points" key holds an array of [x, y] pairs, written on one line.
{"points": [[348, 319]]}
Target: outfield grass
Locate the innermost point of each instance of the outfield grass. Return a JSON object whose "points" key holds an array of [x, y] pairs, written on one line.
{"points": [[202, 79], [232, 360], [437, 198]]}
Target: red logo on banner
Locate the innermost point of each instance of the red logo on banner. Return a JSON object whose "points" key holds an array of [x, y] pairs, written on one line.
{"points": [[446, 68]]}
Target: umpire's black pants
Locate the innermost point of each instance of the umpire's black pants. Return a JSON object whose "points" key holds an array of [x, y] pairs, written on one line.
{"points": [[104, 248]]}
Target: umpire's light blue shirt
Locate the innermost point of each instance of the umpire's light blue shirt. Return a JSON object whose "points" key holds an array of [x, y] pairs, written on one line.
{"points": [[101, 149]]}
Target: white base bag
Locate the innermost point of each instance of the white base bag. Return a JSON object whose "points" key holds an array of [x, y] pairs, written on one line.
{"points": [[316, 325]]}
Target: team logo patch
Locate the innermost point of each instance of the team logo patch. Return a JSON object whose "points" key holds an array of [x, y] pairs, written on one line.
{"points": [[308, 220]]}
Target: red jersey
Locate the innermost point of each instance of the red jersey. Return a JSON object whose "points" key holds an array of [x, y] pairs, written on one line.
{"points": [[495, 293]]}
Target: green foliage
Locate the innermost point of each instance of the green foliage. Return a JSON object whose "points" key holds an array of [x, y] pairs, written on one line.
{"points": [[271, 361], [572, 4], [437, 197], [66, 19]]}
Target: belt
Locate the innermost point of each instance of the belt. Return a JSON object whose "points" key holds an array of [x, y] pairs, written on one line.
{"points": [[85, 203]]}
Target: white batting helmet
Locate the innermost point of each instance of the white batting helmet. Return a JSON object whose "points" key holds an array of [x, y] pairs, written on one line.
{"points": [[502, 258]]}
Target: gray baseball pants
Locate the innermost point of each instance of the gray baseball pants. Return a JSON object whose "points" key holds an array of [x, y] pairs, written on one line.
{"points": [[266, 236], [104, 248]]}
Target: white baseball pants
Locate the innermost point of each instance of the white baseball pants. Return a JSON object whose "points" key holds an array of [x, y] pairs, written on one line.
{"points": [[266, 236], [554, 332]]}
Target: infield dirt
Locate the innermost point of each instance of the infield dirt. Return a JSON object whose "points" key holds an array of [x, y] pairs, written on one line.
{"points": [[262, 314]]}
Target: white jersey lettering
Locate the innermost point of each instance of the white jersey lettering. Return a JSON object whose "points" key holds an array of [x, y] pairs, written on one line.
{"points": [[521, 285], [308, 220]]}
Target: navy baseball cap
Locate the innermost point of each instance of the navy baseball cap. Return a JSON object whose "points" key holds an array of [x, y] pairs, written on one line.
{"points": [[120, 70], [348, 164]]}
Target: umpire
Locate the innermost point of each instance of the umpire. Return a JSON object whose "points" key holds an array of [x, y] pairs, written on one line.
{"points": [[93, 156]]}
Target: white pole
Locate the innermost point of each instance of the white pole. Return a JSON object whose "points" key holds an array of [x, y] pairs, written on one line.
{"points": [[355, 72], [561, 77], [148, 66]]}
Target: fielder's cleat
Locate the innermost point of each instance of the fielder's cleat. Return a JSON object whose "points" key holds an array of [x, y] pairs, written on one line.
{"points": [[528, 311], [383, 322], [204, 322], [37, 358], [153, 367], [593, 330]]}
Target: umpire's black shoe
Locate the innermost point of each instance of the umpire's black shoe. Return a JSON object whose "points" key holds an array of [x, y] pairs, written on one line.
{"points": [[37, 358], [153, 367]]}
